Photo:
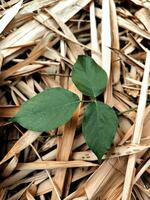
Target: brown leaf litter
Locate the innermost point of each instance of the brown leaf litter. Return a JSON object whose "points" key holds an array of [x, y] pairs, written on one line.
{"points": [[39, 42]]}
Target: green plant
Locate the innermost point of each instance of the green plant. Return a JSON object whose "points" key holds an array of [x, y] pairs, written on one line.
{"points": [[54, 107]]}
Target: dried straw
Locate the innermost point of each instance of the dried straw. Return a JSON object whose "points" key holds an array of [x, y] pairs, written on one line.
{"points": [[39, 42]]}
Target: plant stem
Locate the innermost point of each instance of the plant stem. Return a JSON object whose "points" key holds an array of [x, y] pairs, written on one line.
{"points": [[87, 101]]}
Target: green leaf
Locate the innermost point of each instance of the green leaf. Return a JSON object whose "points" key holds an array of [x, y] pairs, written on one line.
{"points": [[88, 76], [47, 110], [99, 127]]}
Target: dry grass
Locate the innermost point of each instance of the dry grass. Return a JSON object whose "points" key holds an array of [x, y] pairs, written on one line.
{"points": [[40, 40]]}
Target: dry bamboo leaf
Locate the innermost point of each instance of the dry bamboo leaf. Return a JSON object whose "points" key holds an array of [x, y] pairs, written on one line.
{"points": [[115, 152], [1, 60], [127, 24], [145, 132], [28, 69], [29, 196], [98, 181], [79, 141], [9, 3], [127, 150], [44, 187], [134, 81], [36, 178], [124, 124], [52, 54], [137, 132], [123, 108], [16, 178], [31, 6], [33, 30], [14, 97], [94, 38], [145, 4], [76, 49], [9, 15], [137, 43], [110, 192], [78, 174], [35, 53], [72, 42], [130, 25], [144, 14], [143, 189], [8, 111], [81, 173], [28, 138], [63, 49], [134, 41], [30, 82], [15, 92], [25, 89], [106, 43], [53, 164], [49, 144], [129, 60], [127, 135], [69, 8], [49, 82], [142, 170], [84, 155], [19, 194], [115, 63], [124, 98], [31, 189], [77, 194], [2, 194], [10, 167], [37, 86]]}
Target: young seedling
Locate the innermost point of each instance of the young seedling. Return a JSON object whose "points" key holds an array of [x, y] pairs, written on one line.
{"points": [[54, 107]]}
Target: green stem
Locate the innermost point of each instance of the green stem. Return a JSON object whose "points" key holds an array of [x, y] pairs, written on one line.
{"points": [[88, 101]]}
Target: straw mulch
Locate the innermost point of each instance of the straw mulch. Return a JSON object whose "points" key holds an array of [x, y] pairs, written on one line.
{"points": [[40, 41]]}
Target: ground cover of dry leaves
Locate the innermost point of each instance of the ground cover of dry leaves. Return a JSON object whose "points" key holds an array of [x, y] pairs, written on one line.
{"points": [[39, 42]]}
